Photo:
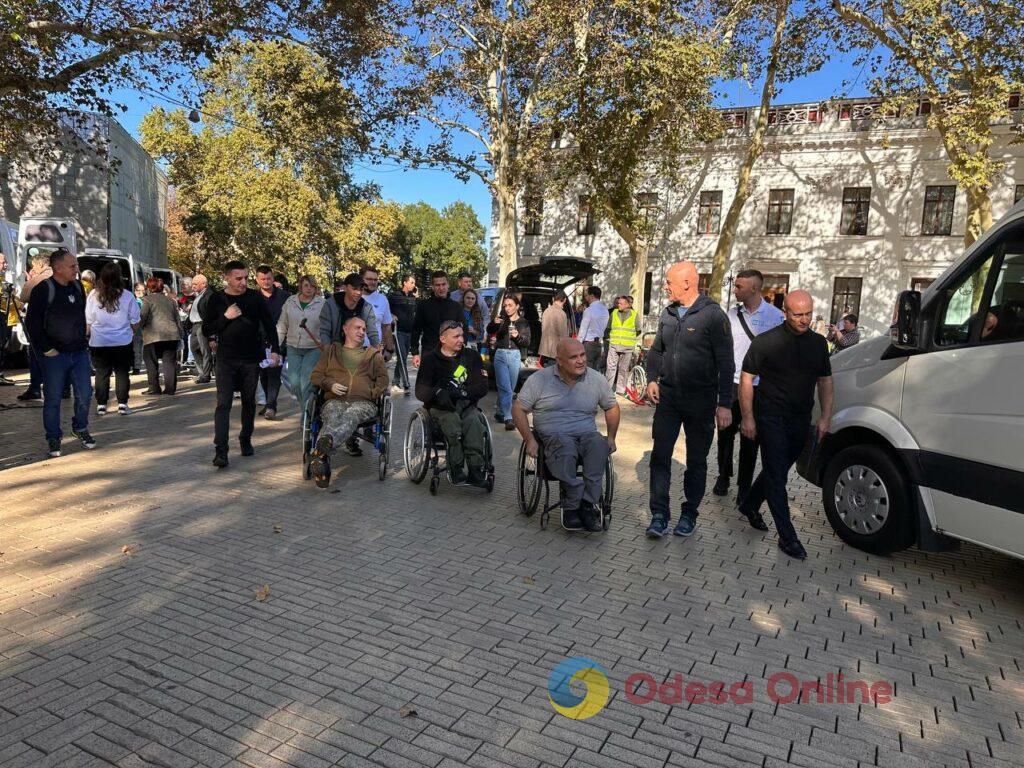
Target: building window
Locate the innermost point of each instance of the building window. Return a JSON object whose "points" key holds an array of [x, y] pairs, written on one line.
{"points": [[856, 204], [780, 211], [585, 224], [709, 217], [647, 203], [920, 283], [703, 283], [924, 108], [1018, 193], [845, 297], [938, 210], [1014, 101], [534, 210]]}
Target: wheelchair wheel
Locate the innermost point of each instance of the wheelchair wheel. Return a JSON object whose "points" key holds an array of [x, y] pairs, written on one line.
{"points": [[417, 447], [488, 454], [607, 495], [530, 486], [384, 438], [308, 436]]}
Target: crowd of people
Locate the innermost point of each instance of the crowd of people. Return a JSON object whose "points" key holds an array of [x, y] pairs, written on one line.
{"points": [[751, 371]]}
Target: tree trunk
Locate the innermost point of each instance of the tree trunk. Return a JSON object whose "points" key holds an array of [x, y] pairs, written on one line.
{"points": [[727, 237], [979, 214], [507, 251], [638, 252]]}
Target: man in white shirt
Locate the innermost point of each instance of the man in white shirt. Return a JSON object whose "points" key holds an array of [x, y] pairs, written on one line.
{"points": [[381, 309], [198, 343], [751, 317], [593, 325]]}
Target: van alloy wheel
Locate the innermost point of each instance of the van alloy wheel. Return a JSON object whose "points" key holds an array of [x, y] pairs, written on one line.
{"points": [[861, 499]]}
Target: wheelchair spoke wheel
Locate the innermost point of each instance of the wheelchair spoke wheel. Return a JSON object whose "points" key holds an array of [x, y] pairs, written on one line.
{"points": [[382, 456], [636, 385], [529, 483], [607, 494], [417, 448]]}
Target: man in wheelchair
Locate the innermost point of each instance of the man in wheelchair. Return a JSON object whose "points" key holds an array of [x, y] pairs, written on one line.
{"points": [[450, 382], [352, 379], [564, 399]]}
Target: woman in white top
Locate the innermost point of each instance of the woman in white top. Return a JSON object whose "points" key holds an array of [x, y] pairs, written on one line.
{"points": [[303, 349], [111, 317]]}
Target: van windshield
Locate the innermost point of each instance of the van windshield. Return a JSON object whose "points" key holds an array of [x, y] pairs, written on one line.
{"points": [[96, 263]]}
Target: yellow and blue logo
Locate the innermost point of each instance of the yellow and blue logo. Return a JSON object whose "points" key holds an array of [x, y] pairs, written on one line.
{"points": [[578, 669]]}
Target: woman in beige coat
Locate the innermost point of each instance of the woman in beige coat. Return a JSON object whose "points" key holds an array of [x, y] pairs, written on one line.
{"points": [[161, 334]]}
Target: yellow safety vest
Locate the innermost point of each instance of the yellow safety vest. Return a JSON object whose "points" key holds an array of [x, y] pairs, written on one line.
{"points": [[623, 333]]}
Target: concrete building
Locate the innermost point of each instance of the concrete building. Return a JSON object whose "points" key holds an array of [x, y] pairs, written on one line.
{"points": [[119, 201], [848, 206]]}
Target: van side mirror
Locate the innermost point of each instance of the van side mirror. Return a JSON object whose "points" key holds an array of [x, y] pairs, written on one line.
{"points": [[906, 330]]}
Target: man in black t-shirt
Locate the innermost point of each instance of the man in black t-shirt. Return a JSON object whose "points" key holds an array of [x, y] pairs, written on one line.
{"points": [[790, 361], [239, 320]]}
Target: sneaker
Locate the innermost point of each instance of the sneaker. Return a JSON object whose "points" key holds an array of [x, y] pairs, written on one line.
{"points": [[270, 414], [721, 486], [5, 382], [591, 519], [30, 395], [53, 448], [246, 447], [352, 447], [457, 475], [793, 548], [657, 528], [571, 520], [123, 409], [685, 526], [220, 459], [101, 410], [85, 438]]}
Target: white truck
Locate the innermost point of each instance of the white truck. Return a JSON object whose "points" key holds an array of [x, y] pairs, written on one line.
{"points": [[926, 445]]}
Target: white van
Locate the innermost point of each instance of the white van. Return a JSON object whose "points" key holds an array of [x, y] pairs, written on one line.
{"points": [[170, 277], [927, 438], [132, 271], [43, 235]]}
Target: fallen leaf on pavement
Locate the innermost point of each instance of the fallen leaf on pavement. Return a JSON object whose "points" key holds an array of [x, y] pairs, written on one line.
{"points": [[278, 528], [407, 712], [129, 549], [262, 593], [528, 579]]}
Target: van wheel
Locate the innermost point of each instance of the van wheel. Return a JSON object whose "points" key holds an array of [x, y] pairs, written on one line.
{"points": [[867, 500]]}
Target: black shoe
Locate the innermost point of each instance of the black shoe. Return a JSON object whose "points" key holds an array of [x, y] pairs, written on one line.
{"points": [[755, 520], [53, 448], [352, 447], [203, 380], [30, 396], [571, 520], [220, 459], [5, 382], [136, 371], [793, 548], [457, 475], [85, 438], [320, 464], [499, 418], [721, 486], [477, 477], [246, 446], [591, 519], [509, 425]]}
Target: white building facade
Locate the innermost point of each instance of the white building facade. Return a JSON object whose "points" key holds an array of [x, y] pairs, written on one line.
{"points": [[844, 205]]}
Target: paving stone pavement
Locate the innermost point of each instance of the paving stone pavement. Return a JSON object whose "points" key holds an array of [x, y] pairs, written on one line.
{"points": [[131, 633]]}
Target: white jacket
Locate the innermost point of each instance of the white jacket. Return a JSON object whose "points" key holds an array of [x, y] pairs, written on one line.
{"points": [[289, 331]]}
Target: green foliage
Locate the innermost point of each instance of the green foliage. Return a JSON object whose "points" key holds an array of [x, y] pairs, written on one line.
{"points": [[452, 240]]}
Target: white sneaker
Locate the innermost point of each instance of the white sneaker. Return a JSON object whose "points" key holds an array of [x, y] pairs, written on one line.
{"points": [[123, 409], [101, 409]]}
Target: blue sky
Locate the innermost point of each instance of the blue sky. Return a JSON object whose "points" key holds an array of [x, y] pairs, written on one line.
{"points": [[439, 188]]}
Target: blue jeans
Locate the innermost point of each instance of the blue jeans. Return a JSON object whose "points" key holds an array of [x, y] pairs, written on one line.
{"points": [[57, 371], [507, 363], [300, 366]]}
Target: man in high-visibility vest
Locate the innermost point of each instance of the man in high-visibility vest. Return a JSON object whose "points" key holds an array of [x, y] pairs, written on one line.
{"points": [[624, 328]]}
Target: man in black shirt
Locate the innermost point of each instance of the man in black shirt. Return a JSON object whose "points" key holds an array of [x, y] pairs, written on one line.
{"points": [[239, 320], [430, 313], [274, 297], [790, 360], [450, 383], [56, 328]]}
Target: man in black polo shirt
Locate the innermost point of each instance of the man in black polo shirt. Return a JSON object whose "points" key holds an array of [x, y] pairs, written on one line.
{"points": [[790, 361]]}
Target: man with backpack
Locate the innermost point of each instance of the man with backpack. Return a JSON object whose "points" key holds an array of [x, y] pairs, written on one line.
{"points": [[56, 327]]}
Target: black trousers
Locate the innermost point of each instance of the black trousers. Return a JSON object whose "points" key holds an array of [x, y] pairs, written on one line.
{"points": [[117, 360], [782, 437], [270, 379], [748, 451], [695, 413], [234, 376], [201, 353], [593, 349], [162, 354]]}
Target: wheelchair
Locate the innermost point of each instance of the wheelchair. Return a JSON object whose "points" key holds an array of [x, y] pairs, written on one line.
{"points": [[636, 382], [426, 449], [532, 484], [377, 431]]}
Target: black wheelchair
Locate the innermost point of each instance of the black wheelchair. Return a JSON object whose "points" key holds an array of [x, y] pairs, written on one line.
{"points": [[532, 484], [426, 450], [376, 431]]}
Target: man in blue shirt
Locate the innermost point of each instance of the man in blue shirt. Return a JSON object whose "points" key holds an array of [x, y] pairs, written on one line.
{"points": [[751, 317]]}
